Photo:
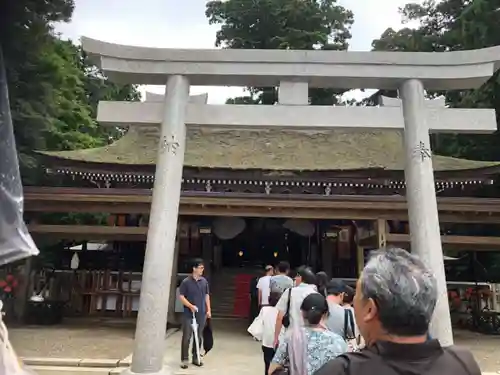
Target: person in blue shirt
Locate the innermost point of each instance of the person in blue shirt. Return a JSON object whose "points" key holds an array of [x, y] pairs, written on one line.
{"points": [[195, 296]]}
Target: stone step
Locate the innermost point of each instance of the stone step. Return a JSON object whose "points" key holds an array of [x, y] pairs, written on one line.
{"points": [[225, 306], [228, 315], [223, 299], [66, 370], [224, 294], [222, 311], [71, 362], [223, 290], [228, 302]]}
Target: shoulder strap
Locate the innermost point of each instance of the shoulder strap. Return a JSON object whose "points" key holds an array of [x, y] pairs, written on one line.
{"points": [[346, 323], [289, 300], [349, 325]]}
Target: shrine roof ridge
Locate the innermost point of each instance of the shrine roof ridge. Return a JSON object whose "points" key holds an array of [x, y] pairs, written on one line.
{"points": [[346, 69]]}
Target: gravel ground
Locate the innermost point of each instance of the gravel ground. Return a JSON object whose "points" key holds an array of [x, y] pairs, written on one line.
{"points": [[73, 341], [247, 359], [116, 342]]}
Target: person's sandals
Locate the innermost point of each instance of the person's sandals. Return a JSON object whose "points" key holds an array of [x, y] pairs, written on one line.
{"points": [[184, 365]]}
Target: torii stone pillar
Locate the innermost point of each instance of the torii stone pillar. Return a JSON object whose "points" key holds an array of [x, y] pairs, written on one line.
{"points": [[422, 204], [171, 317], [421, 194], [294, 72], [149, 348]]}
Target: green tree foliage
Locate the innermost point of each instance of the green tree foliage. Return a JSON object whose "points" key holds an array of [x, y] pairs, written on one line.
{"points": [[453, 25], [71, 125], [98, 88], [53, 87], [281, 24], [26, 40]]}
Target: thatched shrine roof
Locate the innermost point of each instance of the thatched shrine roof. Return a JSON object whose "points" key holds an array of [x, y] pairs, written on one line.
{"points": [[269, 150]]}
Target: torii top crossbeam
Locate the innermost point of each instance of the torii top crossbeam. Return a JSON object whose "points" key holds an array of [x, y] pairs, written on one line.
{"points": [[264, 68]]}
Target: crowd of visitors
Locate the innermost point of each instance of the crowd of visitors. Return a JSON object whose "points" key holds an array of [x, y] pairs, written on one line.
{"points": [[311, 325]]}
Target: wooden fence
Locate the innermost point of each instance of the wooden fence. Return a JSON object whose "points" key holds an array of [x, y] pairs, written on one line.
{"points": [[90, 293]]}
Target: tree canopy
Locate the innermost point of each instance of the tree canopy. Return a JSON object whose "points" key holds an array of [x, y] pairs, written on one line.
{"points": [[453, 25], [53, 88], [281, 24]]}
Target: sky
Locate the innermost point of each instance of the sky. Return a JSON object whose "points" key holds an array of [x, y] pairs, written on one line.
{"points": [[182, 24]]}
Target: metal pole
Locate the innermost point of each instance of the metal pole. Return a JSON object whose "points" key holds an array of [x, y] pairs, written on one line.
{"points": [[422, 204], [149, 344]]}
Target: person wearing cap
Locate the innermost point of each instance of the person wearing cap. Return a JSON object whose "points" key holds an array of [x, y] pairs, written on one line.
{"points": [[335, 290], [264, 286], [308, 347]]}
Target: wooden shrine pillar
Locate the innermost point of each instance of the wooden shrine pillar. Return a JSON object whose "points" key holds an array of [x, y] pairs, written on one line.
{"points": [[207, 252], [360, 250], [381, 231], [328, 246], [360, 258], [360, 253]]}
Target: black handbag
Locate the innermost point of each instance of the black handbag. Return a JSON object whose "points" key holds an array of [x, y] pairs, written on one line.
{"points": [[286, 317]]}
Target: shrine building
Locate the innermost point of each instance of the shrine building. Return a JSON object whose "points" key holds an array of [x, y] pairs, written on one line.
{"points": [[249, 198]]}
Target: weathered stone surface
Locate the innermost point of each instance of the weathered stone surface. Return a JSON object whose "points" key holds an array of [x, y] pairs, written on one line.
{"points": [[265, 68], [99, 362]]}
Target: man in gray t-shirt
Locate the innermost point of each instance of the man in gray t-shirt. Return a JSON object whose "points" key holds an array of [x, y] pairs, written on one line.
{"points": [[335, 290], [281, 282]]}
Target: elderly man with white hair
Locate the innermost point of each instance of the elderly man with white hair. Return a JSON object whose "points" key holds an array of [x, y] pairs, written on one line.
{"points": [[395, 298]]}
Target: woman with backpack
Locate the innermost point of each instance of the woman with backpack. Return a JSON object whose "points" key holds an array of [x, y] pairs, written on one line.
{"points": [[308, 347]]}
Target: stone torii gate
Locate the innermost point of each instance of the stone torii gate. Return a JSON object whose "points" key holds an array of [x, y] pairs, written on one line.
{"points": [[294, 72]]}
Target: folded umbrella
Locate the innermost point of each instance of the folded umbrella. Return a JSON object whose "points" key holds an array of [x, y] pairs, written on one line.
{"points": [[194, 326]]}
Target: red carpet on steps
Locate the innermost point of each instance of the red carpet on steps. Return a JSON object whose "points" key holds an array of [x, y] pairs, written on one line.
{"points": [[241, 305]]}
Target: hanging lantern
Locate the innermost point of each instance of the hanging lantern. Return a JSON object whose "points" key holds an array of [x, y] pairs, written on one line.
{"points": [[302, 227], [226, 228]]}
